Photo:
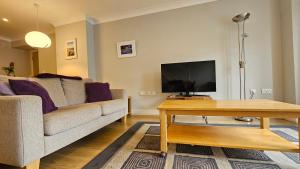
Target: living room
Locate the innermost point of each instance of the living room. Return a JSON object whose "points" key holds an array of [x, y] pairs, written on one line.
{"points": [[249, 49]]}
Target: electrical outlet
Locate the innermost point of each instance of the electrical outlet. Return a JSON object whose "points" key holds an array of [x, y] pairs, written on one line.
{"points": [[266, 91], [148, 93], [142, 93]]}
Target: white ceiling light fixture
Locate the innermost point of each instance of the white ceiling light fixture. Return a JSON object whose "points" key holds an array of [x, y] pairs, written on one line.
{"points": [[5, 19], [37, 39]]}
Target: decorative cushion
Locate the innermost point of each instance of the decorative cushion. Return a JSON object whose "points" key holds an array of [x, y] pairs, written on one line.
{"points": [[55, 90], [25, 87], [97, 92], [69, 117], [5, 89], [74, 90]]}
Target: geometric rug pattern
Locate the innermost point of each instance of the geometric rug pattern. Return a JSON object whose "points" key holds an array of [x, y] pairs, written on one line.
{"points": [[138, 160], [249, 165], [186, 162], [149, 143], [189, 149], [246, 154], [285, 135], [142, 151]]}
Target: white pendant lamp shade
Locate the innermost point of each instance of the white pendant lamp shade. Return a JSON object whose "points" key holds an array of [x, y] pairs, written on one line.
{"points": [[37, 39]]}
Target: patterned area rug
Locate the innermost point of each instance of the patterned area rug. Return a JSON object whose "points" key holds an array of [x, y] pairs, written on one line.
{"points": [[139, 148]]}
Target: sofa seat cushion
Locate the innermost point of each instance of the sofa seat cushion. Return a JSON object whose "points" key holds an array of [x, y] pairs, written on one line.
{"points": [[69, 117], [111, 106]]}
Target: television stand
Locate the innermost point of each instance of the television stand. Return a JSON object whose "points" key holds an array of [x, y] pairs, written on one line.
{"points": [[190, 97]]}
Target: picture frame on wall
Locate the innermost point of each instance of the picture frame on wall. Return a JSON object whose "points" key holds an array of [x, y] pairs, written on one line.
{"points": [[126, 49], [71, 49]]}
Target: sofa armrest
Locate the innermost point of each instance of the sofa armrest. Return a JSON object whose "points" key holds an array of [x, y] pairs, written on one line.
{"points": [[119, 94], [21, 130]]}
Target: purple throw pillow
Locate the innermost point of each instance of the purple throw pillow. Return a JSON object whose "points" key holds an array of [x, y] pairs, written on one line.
{"points": [[5, 89], [25, 87], [97, 92]]}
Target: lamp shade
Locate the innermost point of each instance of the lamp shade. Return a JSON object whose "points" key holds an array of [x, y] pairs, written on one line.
{"points": [[37, 39]]}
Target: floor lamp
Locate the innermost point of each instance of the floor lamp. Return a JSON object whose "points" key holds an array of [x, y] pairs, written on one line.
{"points": [[240, 20]]}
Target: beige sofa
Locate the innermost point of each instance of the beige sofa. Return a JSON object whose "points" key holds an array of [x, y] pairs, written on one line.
{"points": [[26, 135]]}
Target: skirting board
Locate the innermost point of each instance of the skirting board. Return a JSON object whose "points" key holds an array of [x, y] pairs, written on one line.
{"points": [[145, 112]]}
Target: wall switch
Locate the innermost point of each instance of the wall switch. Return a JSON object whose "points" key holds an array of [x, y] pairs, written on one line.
{"points": [[266, 91]]}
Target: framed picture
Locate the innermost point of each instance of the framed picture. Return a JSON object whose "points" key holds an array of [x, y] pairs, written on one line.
{"points": [[126, 49], [71, 49]]}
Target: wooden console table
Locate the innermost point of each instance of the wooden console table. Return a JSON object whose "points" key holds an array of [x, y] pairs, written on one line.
{"points": [[231, 137]]}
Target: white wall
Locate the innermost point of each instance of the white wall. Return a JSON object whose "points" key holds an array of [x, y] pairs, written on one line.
{"points": [[296, 45], [20, 57], [47, 57], [287, 51], [195, 33], [91, 50], [75, 67], [84, 65]]}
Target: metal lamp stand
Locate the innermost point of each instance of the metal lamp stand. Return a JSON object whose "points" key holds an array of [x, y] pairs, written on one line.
{"points": [[242, 60]]}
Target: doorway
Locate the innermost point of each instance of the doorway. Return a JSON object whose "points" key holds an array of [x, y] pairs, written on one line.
{"points": [[35, 62]]}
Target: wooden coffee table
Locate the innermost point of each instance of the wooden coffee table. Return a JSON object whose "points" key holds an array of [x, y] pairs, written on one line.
{"points": [[232, 137]]}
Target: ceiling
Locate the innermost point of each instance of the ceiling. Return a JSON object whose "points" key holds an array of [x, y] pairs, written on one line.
{"points": [[21, 13]]}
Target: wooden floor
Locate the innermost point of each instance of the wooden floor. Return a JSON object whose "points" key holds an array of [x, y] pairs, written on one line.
{"points": [[82, 151], [78, 154]]}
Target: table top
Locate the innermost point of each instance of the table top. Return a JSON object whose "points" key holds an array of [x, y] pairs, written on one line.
{"points": [[229, 105]]}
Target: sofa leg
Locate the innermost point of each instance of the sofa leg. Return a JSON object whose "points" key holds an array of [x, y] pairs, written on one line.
{"points": [[33, 165], [124, 119]]}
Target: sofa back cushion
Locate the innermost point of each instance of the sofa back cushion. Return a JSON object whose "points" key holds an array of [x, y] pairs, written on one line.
{"points": [[55, 90], [75, 90], [26, 87]]}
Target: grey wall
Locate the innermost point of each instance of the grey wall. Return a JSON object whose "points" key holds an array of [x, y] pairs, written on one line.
{"points": [[192, 34]]}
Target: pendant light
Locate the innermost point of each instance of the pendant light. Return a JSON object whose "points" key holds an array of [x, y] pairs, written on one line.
{"points": [[37, 39]]}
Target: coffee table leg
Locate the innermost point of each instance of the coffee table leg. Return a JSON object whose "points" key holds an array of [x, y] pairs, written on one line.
{"points": [[169, 118], [163, 132], [264, 123]]}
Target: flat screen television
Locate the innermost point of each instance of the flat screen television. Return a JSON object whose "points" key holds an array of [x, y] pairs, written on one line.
{"points": [[188, 77]]}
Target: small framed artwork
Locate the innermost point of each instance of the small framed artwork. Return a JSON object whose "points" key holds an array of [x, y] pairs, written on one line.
{"points": [[71, 49], [126, 49]]}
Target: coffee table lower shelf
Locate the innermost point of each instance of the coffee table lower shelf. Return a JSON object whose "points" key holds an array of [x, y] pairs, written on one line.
{"points": [[230, 137]]}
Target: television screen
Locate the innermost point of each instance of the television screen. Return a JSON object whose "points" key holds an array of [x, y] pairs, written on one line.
{"points": [[189, 77]]}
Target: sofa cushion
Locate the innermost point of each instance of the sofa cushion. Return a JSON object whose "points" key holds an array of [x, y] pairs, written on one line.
{"points": [[26, 87], [96, 92], [5, 89], [112, 106], [69, 117], [74, 90], [55, 90]]}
